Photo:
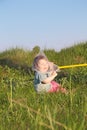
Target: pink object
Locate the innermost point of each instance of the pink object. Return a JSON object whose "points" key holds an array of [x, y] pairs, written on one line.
{"points": [[55, 87]]}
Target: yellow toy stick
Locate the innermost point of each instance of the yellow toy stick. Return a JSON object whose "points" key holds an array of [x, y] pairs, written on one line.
{"points": [[71, 66]]}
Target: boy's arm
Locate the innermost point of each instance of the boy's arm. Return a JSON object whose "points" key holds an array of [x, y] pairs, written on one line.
{"points": [[49, 79]]}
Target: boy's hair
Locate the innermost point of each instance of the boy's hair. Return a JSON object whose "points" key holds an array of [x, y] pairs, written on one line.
{"points": [[36, 59]]}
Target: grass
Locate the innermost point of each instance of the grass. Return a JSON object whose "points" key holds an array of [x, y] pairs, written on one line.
{"points": [[21, 108]]}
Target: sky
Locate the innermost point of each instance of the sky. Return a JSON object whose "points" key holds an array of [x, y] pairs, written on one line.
{"points": [[49, 24]]}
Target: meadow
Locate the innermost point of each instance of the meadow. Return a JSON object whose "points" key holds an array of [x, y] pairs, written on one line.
{"points": [[21, 108]]}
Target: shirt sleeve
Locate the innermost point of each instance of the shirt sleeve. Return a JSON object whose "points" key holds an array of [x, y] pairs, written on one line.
{"points": [[42, 76]]}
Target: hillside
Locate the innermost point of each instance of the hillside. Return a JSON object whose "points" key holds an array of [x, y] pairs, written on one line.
{"points": [[73, 55], [21, 108]]}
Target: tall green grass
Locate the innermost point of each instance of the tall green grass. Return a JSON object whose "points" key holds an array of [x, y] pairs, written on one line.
{"points": [[21, 108]]}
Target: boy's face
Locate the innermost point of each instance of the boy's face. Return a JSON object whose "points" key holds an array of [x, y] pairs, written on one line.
{"points": [[43, 65]]}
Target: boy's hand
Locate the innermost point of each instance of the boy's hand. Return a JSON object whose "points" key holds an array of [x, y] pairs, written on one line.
{"points": [[54, 73]]}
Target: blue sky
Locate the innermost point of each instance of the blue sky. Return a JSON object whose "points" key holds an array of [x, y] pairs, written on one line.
{"points": [[51, 24]]}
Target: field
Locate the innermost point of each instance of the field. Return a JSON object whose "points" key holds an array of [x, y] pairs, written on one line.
{"points": [[21, 108]]}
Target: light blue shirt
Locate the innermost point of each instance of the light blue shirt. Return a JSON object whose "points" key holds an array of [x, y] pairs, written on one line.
{"points": [[38, 85]]}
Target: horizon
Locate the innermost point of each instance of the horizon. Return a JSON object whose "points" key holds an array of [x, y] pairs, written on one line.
{"points": [[28, 49]]}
